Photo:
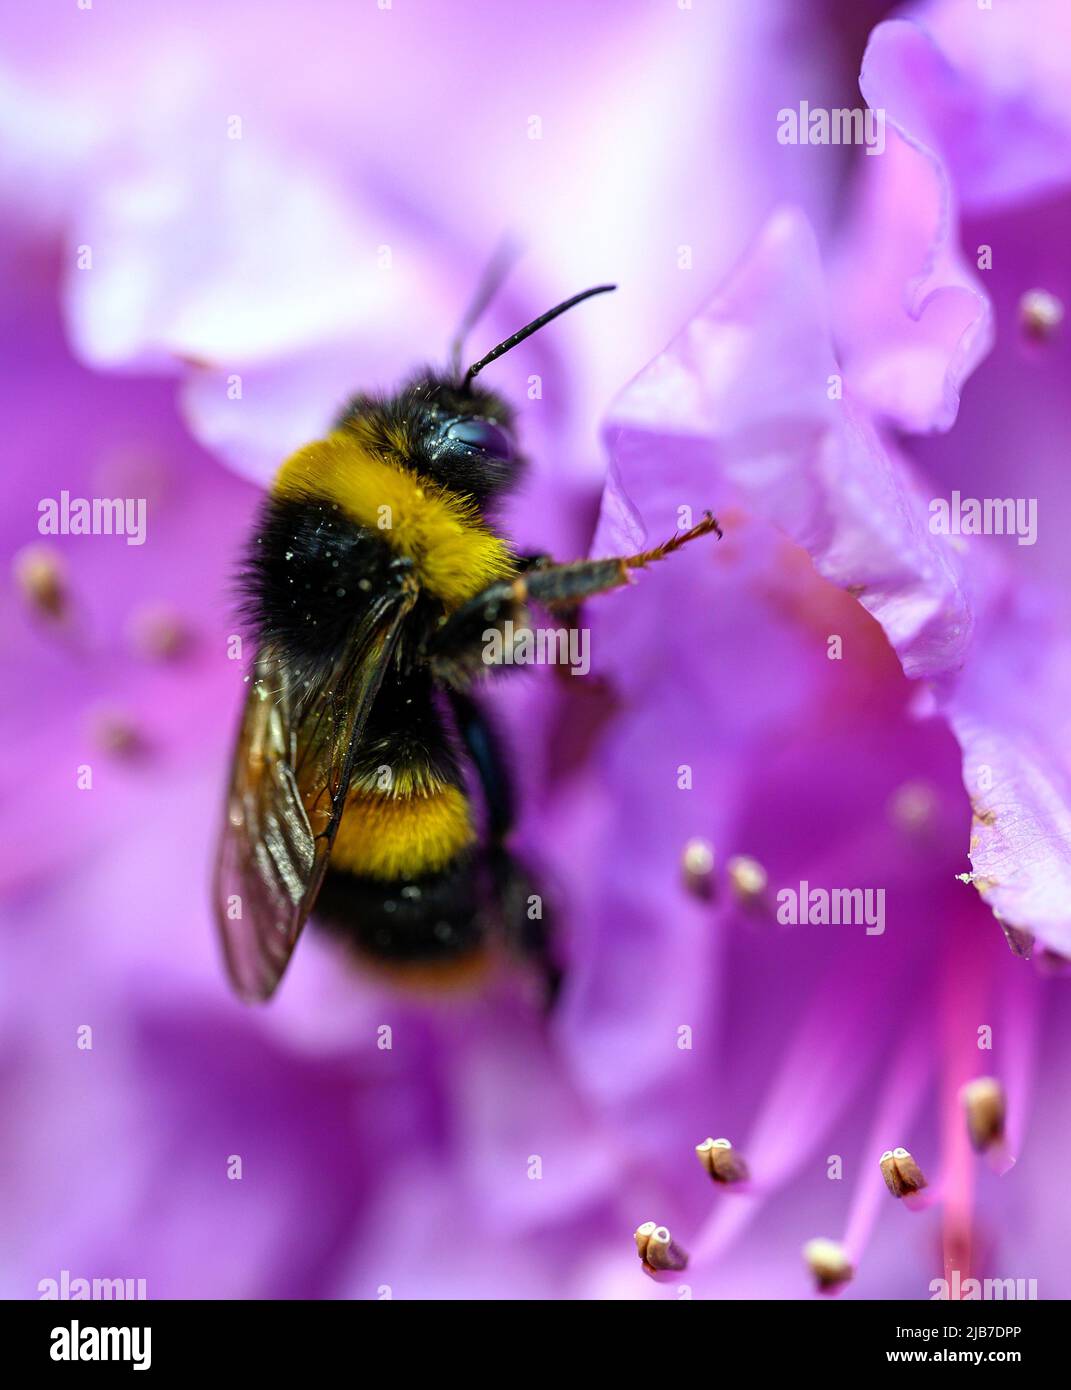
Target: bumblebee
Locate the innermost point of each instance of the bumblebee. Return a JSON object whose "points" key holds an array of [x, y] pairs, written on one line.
{"points": [[372, 582]]}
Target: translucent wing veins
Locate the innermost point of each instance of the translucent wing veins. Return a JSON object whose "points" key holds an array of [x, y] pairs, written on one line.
{"points": [[297, 741]]}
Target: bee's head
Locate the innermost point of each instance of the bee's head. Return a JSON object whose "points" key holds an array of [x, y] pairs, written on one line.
{"points": [[446, 428], [470, 434], [462, 436]]}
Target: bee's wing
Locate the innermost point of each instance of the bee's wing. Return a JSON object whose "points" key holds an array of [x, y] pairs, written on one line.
{"points": [[292, 768]]}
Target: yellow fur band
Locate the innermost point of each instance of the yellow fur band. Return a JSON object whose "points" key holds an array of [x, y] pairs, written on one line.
{"points": [[455, 553], [389, 837]]}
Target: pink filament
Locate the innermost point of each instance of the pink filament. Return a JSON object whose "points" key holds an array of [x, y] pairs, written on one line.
{"points": [[1023, 992], [835, 1043], [909, 1077], [966, 992]]}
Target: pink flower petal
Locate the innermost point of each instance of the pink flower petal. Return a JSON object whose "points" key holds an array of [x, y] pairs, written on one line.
{"points": [[911, 321], [742, 395], [738, 400], [984, 90]]}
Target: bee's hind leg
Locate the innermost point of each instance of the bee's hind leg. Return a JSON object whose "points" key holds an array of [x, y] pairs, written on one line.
{"points": [[525, 926], [520, 910], [484, 748]]}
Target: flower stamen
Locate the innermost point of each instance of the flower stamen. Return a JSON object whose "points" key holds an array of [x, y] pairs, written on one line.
{"points": [[1040, 314], [657, 1249], [828, 1263], [913, 807], [114, 732], [747, 879], [903, 1176], [41, 577], [721, 1161], [985, 1107], [697, 868], [158, 633]]}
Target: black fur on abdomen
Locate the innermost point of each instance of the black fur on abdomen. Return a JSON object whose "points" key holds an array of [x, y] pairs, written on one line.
{"points": [[435, 917]]}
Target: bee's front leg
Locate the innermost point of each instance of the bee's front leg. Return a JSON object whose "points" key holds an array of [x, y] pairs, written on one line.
{"points": [[465, 644]]}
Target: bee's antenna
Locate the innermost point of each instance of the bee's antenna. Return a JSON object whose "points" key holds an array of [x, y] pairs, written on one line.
{"points": [[531, 328], [499, 266]]}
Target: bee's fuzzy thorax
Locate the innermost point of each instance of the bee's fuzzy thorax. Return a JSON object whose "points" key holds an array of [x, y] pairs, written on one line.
{"points": [[455, 554]]}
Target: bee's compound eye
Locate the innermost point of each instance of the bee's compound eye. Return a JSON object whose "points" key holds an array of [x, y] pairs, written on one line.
{"points": [[483, 435]]}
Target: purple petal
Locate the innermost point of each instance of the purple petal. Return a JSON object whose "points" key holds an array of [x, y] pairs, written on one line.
{"points": [[911, 321], [986, 91], [742, 396], [736, 407]]}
